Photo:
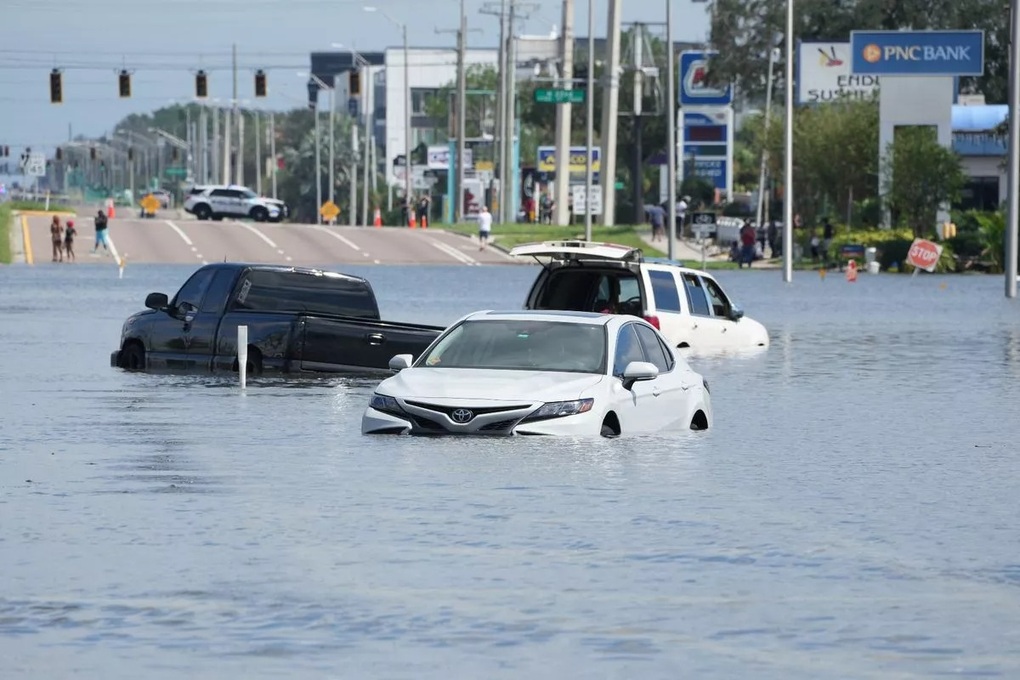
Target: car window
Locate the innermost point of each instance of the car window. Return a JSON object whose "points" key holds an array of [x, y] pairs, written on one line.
{"points": [[653, 348], [220, 193], [628, 349], [248, 194], [696, 295], [720, 305], [194, 288], [617, 293], [521, 346], [664, 290], [218, 291], [567, 289]]}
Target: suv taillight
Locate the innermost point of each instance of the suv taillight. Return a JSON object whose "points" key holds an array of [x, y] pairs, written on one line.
{"points": [[654, 320]]}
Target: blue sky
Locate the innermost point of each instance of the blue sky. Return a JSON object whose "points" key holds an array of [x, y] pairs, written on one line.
{"points": [[164, 41]]}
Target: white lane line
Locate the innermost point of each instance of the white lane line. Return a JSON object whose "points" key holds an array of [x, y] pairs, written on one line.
{"points": [[180, 232], [346, 241], [453, 252], [258, 233]]}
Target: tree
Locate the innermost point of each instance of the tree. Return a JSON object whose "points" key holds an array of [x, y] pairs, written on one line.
{"points": [[920, 175], [743, 31]]}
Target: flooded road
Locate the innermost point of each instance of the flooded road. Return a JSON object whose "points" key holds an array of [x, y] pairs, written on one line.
{"points": [[852, 514]]}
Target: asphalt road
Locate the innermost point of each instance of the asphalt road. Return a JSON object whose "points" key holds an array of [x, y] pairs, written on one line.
{"points": [[172, 241]]}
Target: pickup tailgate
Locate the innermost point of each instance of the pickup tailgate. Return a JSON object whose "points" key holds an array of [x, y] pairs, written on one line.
{"points": [[352, 344]]}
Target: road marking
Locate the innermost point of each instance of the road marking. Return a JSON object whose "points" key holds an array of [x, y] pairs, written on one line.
{"points": [[29, 257], [113, 249], [180, 232], [258, 233], [453, 252], [346, 241]]}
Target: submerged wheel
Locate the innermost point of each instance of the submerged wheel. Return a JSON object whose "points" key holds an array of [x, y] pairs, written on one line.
{"points": [[254, 364], [132, 357], [610, 426]]}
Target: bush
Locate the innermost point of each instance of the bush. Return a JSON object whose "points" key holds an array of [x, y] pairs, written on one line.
{"points": [[980, 239], [892, 246]]}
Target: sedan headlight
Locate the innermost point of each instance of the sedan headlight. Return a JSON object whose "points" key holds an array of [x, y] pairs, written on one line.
{"points": [[380, 402], [558, 409]]}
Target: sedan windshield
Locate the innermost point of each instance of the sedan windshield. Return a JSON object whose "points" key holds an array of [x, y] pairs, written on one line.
{"points": [[521, 346]]}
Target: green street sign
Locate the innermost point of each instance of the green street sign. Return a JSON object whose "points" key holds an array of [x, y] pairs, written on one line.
{"points": [[558, 96], [178, 172], [618, 185]]}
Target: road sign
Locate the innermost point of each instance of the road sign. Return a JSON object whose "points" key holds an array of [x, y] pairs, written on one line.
{"points": [[177, 172], [558, 96], [703, 222], [150, 204], [36, 165], [694, 89], [924, 254], [329, 210], [577, 193]]}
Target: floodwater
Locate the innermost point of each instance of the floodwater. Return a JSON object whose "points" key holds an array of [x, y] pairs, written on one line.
{"points": [[853, 514]]}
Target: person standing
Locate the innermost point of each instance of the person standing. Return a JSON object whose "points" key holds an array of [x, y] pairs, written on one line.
{"points": [[57, 238], [773, 235], [657, 217], [681, 214], [423, 210], [69, 233], [484, 227], [101, 236], [747, 241]]}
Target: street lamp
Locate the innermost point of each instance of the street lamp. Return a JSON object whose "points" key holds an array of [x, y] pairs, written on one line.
{"points": [[407, 107], [318, 161]]}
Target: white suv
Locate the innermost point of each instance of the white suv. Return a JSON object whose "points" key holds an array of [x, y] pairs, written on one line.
{"points": [[219, 201], [688, 306]]}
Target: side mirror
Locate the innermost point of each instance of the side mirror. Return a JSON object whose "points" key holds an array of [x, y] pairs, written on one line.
{"points": [[637, 371], [156, 301], [400, 362], [736, 313]]}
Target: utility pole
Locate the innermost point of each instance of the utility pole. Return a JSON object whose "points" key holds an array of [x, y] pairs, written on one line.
{"points": [[214, 150], [1013, 187], [670, 132], [563, 116], [458, 206], [590, 126], [258, 156], [235, 121], [332, 142], [773, 55], [272, 150], [788, 160], [227, 127], [610, 110], [638, 46], [239, 170], [367, 87], [354, 174]]}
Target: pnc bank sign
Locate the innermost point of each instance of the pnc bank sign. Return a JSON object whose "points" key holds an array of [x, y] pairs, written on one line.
{"points": [[917, 53]]}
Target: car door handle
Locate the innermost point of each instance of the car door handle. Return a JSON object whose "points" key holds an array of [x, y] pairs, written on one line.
{"points": [[656, 391], [375, 338], [685, 386]]}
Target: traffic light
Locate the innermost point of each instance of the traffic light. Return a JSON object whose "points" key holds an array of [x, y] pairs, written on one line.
{"points": [[260, 83], [92, 153], [354, 84], [201, 85], [56, 87], [124, 80]]}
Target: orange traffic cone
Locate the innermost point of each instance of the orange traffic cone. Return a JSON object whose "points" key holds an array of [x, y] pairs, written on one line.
{"points": [[411, 222], [377, 218], [424, 221], [851, 271], [109, 208]]}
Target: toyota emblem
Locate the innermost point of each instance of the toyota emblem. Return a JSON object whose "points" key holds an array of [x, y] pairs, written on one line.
{"points": [[462, 415]]}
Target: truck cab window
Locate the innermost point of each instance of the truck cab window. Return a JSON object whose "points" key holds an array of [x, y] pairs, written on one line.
{"points": [[218, 291], [194, 289]]}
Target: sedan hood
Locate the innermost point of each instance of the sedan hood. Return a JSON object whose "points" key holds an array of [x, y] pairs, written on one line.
{"points": [[487, 385]]}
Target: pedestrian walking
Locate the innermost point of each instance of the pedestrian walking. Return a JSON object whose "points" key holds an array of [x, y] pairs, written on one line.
{"points": [[657, 218], [423, 210], [747, 242], [57, 238], [484, 227], [101, 235], [69, 233]]}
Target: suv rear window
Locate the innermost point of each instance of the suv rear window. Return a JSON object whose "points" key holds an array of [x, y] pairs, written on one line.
{"points": [[272, 291], [588, 290]]}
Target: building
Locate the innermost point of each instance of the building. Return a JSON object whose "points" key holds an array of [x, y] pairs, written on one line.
{"points": [[982, 151]]}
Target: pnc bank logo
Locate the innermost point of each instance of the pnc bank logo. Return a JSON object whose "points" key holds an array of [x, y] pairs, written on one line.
{"points": [[872, 53]]}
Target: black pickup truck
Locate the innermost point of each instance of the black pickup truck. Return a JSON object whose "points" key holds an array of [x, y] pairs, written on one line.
{"points": [[298, 320]]}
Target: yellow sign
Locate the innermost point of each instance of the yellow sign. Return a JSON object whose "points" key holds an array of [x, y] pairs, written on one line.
{"points": [[329, 210], [576, 163], [150, 204]]}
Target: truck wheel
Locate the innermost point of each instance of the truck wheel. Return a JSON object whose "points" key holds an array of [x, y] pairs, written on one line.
{"points": [[132, 357], [259, 214], [202, 212], [254, 365]]}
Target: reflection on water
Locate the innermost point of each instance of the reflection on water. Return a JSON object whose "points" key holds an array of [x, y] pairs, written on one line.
{"points": [[852, 514]]}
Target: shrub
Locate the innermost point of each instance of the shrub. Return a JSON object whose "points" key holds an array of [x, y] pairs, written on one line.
{"points": [[892, 246]]}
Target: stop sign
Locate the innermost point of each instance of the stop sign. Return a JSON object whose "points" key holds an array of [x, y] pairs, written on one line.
{"points": [[924, 254]]}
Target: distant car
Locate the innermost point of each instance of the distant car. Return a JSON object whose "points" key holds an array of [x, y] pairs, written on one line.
{"points": [[216, 201], [688, 306], [541, 373]]}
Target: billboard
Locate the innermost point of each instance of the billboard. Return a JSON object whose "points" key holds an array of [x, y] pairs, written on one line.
{"points": [[576, 164], [694, 89], [918, 53], [824, 74]]}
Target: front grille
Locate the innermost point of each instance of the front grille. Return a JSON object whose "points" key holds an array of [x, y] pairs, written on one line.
{"points": [[479, 411], [499, 426], [426, 424]]}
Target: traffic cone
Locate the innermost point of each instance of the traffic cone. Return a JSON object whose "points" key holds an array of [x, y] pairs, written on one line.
{"points": [[851, 271], [377, 218], [411, 221], [109, 208], [424, 221]]}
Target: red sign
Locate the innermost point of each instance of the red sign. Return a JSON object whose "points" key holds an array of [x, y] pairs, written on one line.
{"points": [[924, 254]]}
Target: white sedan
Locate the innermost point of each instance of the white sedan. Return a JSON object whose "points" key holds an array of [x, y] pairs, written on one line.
{"points": [[541, 372]]}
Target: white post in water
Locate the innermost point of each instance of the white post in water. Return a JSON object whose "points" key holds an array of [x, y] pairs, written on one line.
{"points": [[242, 355]]}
